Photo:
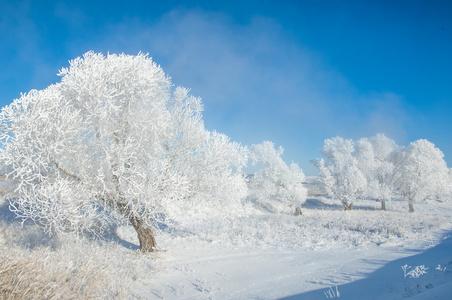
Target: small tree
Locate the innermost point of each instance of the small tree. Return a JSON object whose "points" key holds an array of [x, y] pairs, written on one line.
{"points": [[112, 140], [340, 174], [421, 172], [275, 180]]}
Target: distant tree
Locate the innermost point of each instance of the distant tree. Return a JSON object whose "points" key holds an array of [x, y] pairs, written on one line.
{"points": [[275, 180], [374, 157], [111, 140], [325, 179], [340, 174], [421, 172]]}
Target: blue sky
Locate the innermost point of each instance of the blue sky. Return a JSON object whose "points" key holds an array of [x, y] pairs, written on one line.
{"points": [[292, 72]]}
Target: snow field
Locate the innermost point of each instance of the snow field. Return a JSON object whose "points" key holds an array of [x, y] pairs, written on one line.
{"points": [[274, 255], [264, 253], [321, 227]]}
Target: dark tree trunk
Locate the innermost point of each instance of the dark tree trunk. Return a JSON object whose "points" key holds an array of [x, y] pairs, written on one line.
{"points": [[144, 231], [145, 234], [298, 211], [410, 206], [383, 204], [348, 206]]}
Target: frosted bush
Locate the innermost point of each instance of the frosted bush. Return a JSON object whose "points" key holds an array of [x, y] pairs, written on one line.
{"points": [[441, 269], [417, 272]]}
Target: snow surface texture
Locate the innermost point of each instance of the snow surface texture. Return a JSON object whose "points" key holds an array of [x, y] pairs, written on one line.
{"points": [[266, 254]]}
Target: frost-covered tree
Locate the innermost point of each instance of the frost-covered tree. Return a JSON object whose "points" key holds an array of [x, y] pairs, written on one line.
{"points": [[421, 172], [374, 157], [275, 180], [339, 174], [384, 149], [325, 179], [112, 140]]}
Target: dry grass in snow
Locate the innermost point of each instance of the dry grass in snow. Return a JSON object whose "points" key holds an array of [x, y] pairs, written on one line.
{"points": [[34, 265]]}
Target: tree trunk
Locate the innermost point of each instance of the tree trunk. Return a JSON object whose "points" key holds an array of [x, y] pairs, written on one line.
{"points": [[410, 206], [145, 235], [348, 206], [144, 231], [383, 204], [298, 211]]}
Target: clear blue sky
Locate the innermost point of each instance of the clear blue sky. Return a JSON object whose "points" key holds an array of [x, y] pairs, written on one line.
{"points": [[293, 72]]}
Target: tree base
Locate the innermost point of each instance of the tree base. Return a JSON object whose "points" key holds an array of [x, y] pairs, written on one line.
{"points": [[145, 235], [347, 206], [298, 211], [383, 205]]}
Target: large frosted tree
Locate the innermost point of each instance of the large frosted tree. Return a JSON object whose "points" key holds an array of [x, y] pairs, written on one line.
{"points": [[113, 140], [421, 172]]}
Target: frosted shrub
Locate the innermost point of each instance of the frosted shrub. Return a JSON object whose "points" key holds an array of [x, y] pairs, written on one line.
{"points": [[441, 269], [414, 273]]}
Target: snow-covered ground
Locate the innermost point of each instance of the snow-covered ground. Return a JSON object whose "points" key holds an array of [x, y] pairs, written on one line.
{"points": [[372, 272], [268, 253]]}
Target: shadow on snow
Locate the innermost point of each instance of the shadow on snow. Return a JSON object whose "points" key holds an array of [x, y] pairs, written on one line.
{"points": [[388, 282]]}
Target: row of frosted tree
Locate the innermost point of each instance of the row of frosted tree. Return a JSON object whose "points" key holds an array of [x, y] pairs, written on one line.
{"points": [[114, 140], [376, 168]]}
